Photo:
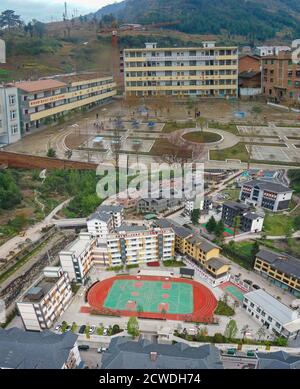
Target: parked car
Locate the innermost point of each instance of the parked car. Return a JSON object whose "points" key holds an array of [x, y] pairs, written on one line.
{"points": [[102, 350], [92, 329], [249, 282], [68, 328], [105, 331], [254, 286], [82, 329], [83, 347]]}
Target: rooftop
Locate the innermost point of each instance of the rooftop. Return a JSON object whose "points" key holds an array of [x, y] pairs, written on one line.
{"points": [[216, 263], [34, 350], [268, 185], [282, 313], [278, 360], [281, 261], [252, 216], [104, 211], [78, 246], [123, 353], [40, 85], [37, 292], [236, 205]]}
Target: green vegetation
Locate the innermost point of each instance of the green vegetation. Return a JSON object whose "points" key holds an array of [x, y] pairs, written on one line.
{"points": [[173, 263], [229, 127], [175, 126], [10, 194], [4, 276], [224, 309], [51, 153], [242, 253], [238, 152], [202, 137], [255, 20], [279, 224], [294, 176], [231, 330], [195, 216], [81, 184], [133, 327], [202, 336]]}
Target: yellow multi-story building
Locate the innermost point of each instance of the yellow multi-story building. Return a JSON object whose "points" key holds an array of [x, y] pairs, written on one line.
{"points": [[46, 100], [281, 269], [206, 70], [196, 247]]}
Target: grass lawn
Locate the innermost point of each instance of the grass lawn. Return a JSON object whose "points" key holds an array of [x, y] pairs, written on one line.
{"points": [[175, 126], [202, 137], [236, 152], [234, 194], [277, 224], [245, 248], [224, 309], [229, 127]]}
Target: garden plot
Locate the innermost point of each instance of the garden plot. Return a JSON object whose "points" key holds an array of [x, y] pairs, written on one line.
{"points": [[270, 153]]}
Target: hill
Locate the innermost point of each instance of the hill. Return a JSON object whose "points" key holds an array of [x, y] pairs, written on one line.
{"points": [[255, 19]]}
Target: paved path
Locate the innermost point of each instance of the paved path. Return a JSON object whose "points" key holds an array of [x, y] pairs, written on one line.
{"points": [[33, 233]]}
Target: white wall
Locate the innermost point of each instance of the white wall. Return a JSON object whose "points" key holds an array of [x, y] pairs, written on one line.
{"points": [[2, 51]]}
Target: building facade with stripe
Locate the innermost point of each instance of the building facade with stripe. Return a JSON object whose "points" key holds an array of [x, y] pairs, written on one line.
{"points": [[206, 71], [45, 101]]}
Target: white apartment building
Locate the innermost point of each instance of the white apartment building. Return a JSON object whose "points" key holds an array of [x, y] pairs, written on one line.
{"points": [[2, 51], [10, 130], [132, 245], [264, 51], [266, 194], [272, 314], [45, 301], [76, 258], [206, 70], [105, 220]]}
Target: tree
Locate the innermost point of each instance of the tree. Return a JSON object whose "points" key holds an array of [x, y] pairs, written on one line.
{"points": [[254, 250], [261, 332], [211, 225], [69, 154], [236, 224], [10, 194], [219, 230], [195, 216], [231, 330], [51, 153], [244, 330], [8, 19], [39, 28], [133, 327]]}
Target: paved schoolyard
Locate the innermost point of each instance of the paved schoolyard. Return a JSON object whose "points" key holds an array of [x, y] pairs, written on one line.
{"points": [[274, 153]]}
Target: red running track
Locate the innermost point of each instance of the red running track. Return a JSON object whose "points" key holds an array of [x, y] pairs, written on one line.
{"points": [[205, 302]]}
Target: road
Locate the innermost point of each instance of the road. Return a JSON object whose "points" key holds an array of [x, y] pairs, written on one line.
{"points": [[33, 233]]}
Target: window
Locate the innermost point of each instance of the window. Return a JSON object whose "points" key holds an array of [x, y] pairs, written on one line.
{"points": [[14, 129], [13, 115], [12, 99]]}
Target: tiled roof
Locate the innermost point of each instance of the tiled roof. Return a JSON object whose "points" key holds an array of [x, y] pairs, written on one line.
{"points": [[40, 85]]}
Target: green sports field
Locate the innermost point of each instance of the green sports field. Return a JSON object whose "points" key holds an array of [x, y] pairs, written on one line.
{"points": [[150, 296]]}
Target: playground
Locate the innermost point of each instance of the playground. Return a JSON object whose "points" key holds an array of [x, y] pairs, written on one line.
{"points": [[234, 291], [152, 297]]}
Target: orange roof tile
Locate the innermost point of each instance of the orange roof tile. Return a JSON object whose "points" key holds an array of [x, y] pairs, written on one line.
{"points": [[41, 85]]}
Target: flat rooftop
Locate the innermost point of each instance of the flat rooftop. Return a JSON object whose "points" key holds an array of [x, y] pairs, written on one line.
{"points": [[39, 290], [78, 246]]}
